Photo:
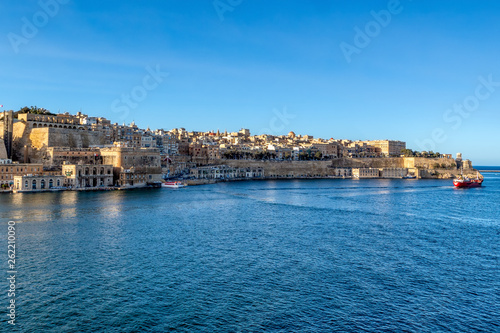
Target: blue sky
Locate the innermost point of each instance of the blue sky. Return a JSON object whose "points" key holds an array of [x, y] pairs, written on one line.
{"points": [[267, 66]]}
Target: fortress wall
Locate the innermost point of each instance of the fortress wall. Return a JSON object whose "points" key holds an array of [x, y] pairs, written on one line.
{"points": [[293, 168], [326, 168], [394, 162], [64, 137], [435, 163], [39, 139], [3, 151], [20, 138], [445, 173]]}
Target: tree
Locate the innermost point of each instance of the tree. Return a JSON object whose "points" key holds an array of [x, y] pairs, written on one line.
{"points": [[408, 152], [34, 110], [318, 155]]}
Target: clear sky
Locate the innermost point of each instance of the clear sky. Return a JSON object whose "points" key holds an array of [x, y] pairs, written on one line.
{"points": [[425, 72]]}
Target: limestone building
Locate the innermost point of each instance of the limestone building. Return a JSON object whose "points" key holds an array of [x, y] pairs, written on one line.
{"points": [[87, 175], [37, 183], [57, 156], [388, 148], [9, 171], [393, 172], [365, 173], [133, 166]]}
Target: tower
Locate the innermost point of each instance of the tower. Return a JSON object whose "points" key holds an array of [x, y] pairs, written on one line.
{"points": [[7, 132]]}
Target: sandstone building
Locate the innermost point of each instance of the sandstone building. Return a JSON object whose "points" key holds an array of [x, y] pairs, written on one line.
{"points": [[133, 166], [88, 175], [40, 183], [9, 171]]}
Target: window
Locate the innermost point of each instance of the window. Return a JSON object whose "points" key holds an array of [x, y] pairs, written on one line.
{"points": [[51, 183], [42, 184]]}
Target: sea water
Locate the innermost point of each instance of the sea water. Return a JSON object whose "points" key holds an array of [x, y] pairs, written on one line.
{"points": [[258, 256]]}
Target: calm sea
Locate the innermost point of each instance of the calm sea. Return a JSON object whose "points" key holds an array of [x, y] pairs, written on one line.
{"points": [[261, 256]]}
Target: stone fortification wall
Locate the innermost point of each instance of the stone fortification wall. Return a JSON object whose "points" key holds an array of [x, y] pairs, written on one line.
{"points": [[396, 162], [39, 139], [446, 173], [63, 137], [288, 168], [424, 167], [3, 151], [20, 138], [433, 163]]}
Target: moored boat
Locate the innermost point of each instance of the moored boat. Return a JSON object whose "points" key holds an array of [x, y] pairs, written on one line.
{"points": [[173, 184]]}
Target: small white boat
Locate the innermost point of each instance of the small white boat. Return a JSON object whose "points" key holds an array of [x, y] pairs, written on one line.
{"points": [[173, 184]]}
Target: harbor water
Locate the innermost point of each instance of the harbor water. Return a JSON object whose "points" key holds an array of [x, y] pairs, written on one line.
{"points": [[258, 256]]}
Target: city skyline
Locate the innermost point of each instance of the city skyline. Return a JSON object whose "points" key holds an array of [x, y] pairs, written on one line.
{"points": [[409, 71]]}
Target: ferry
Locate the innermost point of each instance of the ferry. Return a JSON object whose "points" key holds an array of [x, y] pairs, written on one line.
{"points": [[466, 182], [173, 185]]}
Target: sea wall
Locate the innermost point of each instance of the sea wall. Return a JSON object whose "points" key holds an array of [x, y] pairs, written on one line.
{"points": [[395, 162], [426, 168], [286, 168], [431, 163], [446, 173]]}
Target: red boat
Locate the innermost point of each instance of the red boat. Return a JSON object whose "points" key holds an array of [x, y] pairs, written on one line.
{"points": [[467, 182]]}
